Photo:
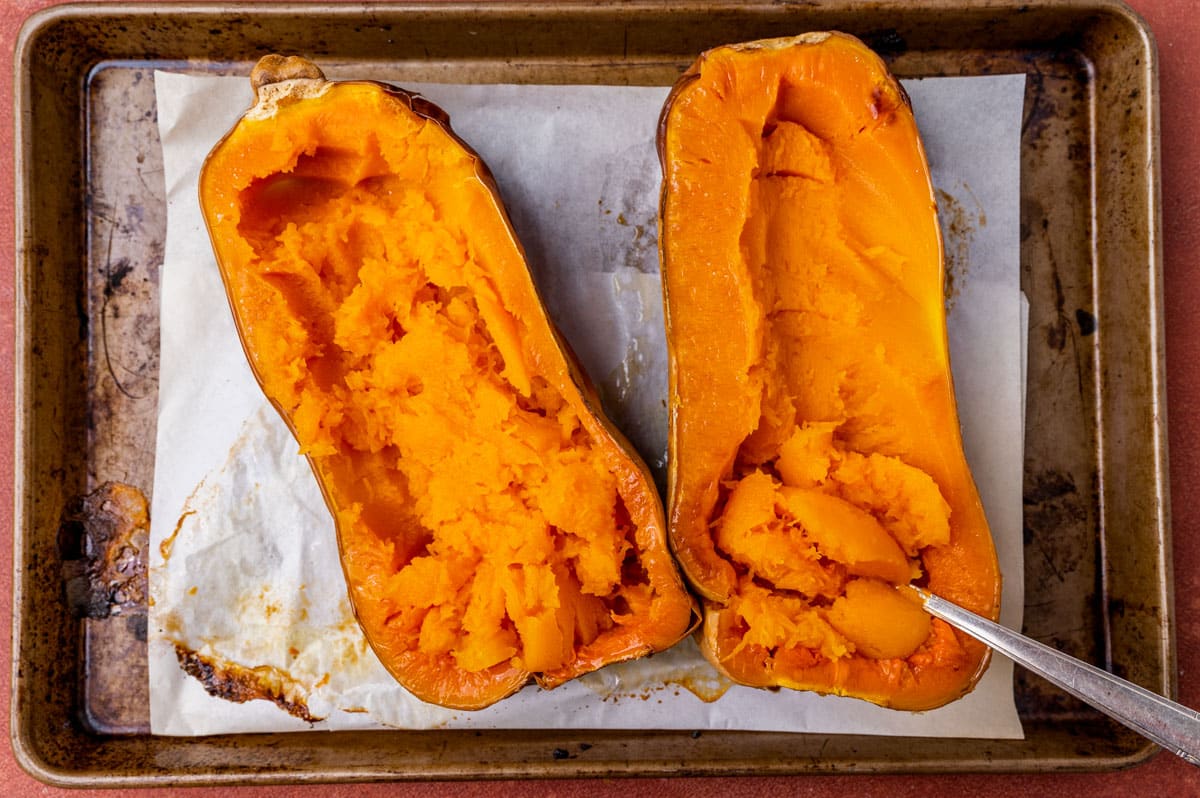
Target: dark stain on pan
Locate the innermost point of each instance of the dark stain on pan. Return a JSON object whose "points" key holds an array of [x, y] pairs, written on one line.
{"points": [[1049, 95], [116, 275], [103, 540], [1037, 703], [1039, 111], [239, 684], [1086, 321], [1053, 502], [137, 626], [888, 42], [1031, 209], [1058, 331], [115, 271]]}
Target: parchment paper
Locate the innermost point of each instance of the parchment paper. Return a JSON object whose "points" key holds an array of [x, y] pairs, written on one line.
{"points": [[245, 569]]}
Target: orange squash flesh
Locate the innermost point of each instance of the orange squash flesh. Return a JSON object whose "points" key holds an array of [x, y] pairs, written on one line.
{"points": [[493, 526], [815, 453]]}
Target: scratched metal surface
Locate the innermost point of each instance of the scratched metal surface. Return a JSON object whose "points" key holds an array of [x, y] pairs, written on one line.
{"points": [[1096, 521]]}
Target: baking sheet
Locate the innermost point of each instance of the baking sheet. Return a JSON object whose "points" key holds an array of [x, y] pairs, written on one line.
{"points": [[244, 564], [91, 224]]}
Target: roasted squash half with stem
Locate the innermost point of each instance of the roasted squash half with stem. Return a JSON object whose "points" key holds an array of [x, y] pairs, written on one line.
{"points": [[493, 525]]}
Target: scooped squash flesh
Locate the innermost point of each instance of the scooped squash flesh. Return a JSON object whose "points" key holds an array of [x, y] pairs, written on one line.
{"points": [[492, 525], [815, 453]]}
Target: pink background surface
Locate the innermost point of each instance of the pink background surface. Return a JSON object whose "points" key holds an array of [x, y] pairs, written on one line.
{"points": [[1176, 26]]}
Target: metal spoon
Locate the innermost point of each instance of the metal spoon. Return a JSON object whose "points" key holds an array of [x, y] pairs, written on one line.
{"points": [[1171, 725]]}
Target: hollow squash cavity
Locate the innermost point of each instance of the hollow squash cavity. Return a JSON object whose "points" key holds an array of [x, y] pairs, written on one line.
{"points": [[493, 526], [816, 459]]}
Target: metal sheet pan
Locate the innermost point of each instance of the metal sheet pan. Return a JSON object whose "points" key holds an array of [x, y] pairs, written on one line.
{"points": [[90, 231]]}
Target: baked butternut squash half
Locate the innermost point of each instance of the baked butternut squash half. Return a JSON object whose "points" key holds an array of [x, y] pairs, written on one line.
{"points": [[816, 461], [493, 526]]}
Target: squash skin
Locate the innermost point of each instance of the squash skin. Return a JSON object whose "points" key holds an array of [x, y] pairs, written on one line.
{"points": [[755, 359], [289, 152]]}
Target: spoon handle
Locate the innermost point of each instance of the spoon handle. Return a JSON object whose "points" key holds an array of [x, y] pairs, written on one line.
{"points": [[1171, 725]]}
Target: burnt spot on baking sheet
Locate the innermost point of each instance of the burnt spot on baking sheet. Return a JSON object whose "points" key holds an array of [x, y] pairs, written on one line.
{"points": [[238, 683], [1086, 321], [562, 752], [1040, 109], [887, 42], [103, 539], [115, 275]]}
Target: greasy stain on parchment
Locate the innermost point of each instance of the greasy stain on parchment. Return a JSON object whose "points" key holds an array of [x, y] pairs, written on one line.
{"points": [[239, 684], [959, 220], [681, 667], [240, 445], [239, 617]]}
